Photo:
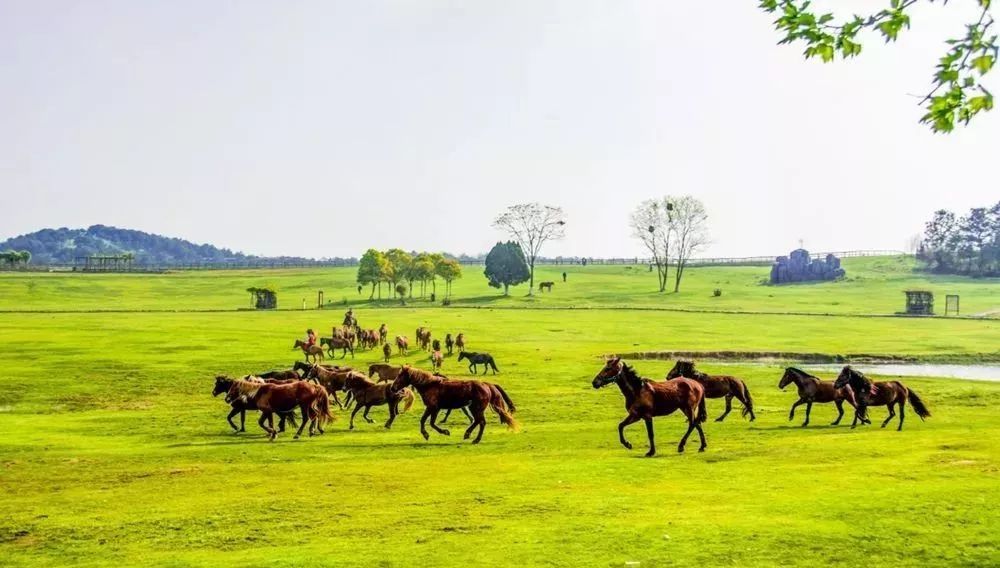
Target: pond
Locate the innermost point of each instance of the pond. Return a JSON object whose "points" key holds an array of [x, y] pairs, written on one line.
{"points": [[829, 370]]}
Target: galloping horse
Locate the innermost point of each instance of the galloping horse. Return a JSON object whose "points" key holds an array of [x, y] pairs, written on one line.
{"points": [[402, 345], [646, 399], [314, 351], [287, 374], [386, 373], [438, 392], [310, 399], [883, 393], [332, 381], [333, 343], [475, 359], [368, 394], [717, 386], [813, 389], [222, 384]]}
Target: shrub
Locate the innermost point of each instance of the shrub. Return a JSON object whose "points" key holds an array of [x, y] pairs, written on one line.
{"points": [[717, 292]]}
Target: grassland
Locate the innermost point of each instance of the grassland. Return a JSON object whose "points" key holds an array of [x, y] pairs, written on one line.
{"points": [[113, 452]]}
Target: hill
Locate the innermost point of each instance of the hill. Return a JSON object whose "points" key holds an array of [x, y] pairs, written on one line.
{"points": [[64, 245]]}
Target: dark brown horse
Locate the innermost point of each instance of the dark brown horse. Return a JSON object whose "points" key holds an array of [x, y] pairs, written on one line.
{"points": [[368, 394], [883, 393], [287, 374], [386, 352], [542, 286], [460, 342], [314, 351], [813, 389], [717, 386], [423, 336], [342, 343], [386, 373], [311, 400], [449, 343], [383, 334], [332, 380], [646, 399], [440, 393], [222, 384]]}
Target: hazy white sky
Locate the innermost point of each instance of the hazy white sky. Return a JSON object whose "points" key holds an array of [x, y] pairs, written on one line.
{"points": [[324, 128]]}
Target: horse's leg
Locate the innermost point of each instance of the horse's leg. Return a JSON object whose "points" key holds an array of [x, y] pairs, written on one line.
{"points": [[902, 413], [393, 411], [305, 418], [701, 434], [465, 411], [630, 419], [447, 413], [229, 419], [423, 423], [365, 415], [264, 416], [809, 407], [479, 411], [440, 430], [649, 432], [691, 428], [858, 411], [357, 408], [281, 422], [729, 407], [791, 413], [840, 412], [892, 414], [336, 399]]}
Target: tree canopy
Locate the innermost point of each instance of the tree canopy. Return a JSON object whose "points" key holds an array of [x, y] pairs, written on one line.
{"points": [[506, 266], [968, 245], [532, 225]]}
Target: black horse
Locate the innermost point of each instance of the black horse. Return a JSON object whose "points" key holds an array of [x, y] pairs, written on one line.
{"points": [[887, 393], [222, 385], [484, 359]]}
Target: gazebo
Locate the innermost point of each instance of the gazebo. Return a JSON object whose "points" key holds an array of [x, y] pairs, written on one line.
{"points": [[263, 298], [919, 302]]}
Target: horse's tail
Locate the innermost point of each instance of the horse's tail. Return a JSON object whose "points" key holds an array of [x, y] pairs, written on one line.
{"points": [[918, 405], [702, 416], [408, 398], [322, 407], [748, 400], [506, 399], [500, 407], [492, 364]]}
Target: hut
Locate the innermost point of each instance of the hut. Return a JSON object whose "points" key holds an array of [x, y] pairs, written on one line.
{"points": [[263, 298], [919, 302]]}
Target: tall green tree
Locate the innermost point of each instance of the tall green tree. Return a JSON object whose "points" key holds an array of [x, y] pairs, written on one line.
{"points": [[399, 266], [449, 270], [957, 93], [506, 266], [532, 225], [421, 270], [371, 270]]}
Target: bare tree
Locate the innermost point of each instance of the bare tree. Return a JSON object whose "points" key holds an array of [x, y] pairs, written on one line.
{"points": [[651, 225], [687, 221], [532, 225]]}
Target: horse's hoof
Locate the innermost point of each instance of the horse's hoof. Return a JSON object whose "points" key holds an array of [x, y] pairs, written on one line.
{"points": [[426, 436], [680, 449], [702, 449], [446, 432], [650, 454], [627, 445], [804, 424], [720, 419]]}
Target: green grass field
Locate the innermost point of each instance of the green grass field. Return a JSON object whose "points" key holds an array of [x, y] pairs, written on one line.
{"points": [[112, 450]]}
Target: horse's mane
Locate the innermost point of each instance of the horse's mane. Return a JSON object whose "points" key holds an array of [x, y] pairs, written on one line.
{"points": [[800, 372], [632, 376], [247, 389], [420, 377], [354, 378]]}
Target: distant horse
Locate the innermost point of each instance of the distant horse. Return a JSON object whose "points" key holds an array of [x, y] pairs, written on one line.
{"points": [[368, 394], [887, 393], [386, 373], [717, 386], [383, 333], [314, 351], [484, 359], [449, 343], [402, 345], [436, 345], [542, 286], [371, 338], [460, 342], [311, 400], [813, 389], [345, 332], [222, 384], [423, 337], [439, 393], [333, 343], [386, 351], [646, 399], [332, 381], [437, 358]]}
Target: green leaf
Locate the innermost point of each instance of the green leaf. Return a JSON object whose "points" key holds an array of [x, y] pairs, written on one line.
{"points": [[983, 64]]}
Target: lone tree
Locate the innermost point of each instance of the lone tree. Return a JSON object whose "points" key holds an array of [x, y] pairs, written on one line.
{"points": [[372, 269], [532, 225], [688, 225], [957, 93], [505, 266], [651, 225]]}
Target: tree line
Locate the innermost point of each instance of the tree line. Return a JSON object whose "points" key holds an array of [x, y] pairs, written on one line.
{"points": [[967, 245], [14, 258], [400, 270]]}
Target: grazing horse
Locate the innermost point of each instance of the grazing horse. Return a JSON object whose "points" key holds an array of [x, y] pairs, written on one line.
{"points": [[310, 399], [222, 384], [402, 345], [386, 373], [368, 394], [437, 358], [440, 393], [314, 351], [646, 399], [449, 343], [887, 393], [717, 386], [383, 333], [460, 342], [813, 389], [484, 359], [543, 285], [332, 380], [333, 343]]}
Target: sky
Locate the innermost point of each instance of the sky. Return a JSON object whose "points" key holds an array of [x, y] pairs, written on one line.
{"points": [[321, 129]]}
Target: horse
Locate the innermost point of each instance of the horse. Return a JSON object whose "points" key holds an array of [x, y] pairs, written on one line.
{"points": [[423, 336], [345, 333], [440, 393], [460, 342], [436, 345], [386, 373], [646, 399], [484, 359], [371, 338], [222, 384], [333, 343], [311, 400], [449, 343], [287, 374], [813, 389], [885, 393], [314, 351], [332, 380], [717, 386], [437, 359], [543, 285], [386, 351], [465, 410], [402, 345], [383, 333], [368, 394]]}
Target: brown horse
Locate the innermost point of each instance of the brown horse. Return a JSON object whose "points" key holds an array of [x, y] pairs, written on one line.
{"points": [[646, 399], [345, 332], [402, 345], [423, 336], [314, 351], [440, 393], [386, 373], [287, 374], [884, 393], [717, 386], [813, 389], [310, 399], [386, 352], [368, 394], [542, 286], [333, 343], [383, 334], [460, 342], [332, 380], [437, 358], [222, 384], [449, 343]]}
